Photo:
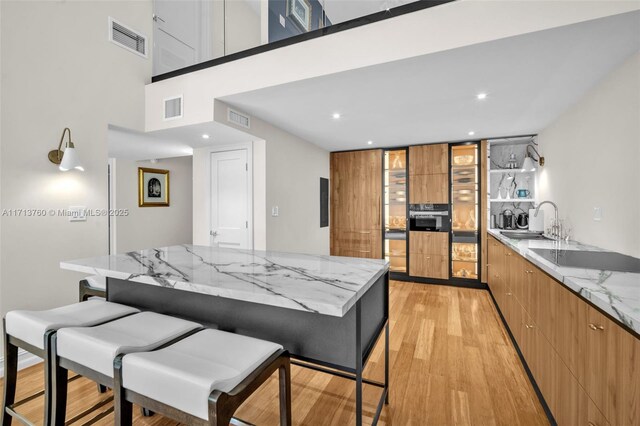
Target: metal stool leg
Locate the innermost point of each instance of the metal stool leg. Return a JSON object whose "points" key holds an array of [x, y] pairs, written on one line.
{"points": [[10, 379], [285, 393]]}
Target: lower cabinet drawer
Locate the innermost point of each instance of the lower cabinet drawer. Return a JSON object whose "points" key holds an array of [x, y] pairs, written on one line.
{"points": [[429, 266], [357, 243]]}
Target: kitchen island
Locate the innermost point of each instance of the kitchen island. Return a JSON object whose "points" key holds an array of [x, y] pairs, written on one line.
{"points": [[327, 311]]}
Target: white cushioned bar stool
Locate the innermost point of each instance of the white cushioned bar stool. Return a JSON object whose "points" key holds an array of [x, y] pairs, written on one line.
{"points": [[33, 331], [200, 380], [90, 351], [92, 286]]}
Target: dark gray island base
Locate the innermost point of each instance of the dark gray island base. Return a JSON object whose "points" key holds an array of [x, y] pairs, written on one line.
{"points": [[331, 344]]}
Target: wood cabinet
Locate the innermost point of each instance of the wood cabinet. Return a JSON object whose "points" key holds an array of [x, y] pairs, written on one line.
{"points": [[429, 174], [429, 254], [429, 266], [429, 243], [585, 364], [429, 189], [612, 369], [356, 203], [429, 159]]}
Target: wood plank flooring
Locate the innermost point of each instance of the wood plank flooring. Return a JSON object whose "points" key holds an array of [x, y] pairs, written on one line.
{"points": [[452, 363]]}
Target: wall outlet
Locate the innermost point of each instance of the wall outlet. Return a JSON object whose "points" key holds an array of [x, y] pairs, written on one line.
{"points": [[77, 214], [597, 214], [282, 21], [275, 211]]}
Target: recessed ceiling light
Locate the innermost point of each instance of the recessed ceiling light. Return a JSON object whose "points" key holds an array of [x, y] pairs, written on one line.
{"points": [[471, 133], [481, 96], [205, 136], [336, 115], [369, 142]]}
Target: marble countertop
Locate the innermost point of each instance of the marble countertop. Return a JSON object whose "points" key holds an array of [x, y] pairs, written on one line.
{"points": [[327, 285], [617, 293]]}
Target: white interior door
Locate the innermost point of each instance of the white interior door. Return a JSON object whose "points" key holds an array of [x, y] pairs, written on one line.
{"points": [[175, 34], [230, 202]]}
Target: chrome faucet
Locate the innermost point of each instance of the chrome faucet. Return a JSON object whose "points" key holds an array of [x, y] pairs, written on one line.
{"points": [[556, 231]]}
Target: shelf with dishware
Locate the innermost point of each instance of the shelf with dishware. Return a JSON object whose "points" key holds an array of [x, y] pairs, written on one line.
{"points": [[465, 207], [395, 209]]}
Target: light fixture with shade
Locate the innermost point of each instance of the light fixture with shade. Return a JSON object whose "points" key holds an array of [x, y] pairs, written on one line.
{"points": [[528, 165], [67, 159]]}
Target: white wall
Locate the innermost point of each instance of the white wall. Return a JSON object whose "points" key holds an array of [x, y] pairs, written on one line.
{"points": [[292, 178], [592, 154], [436, 29], [58, 70], [286, 173], [146, 227]]}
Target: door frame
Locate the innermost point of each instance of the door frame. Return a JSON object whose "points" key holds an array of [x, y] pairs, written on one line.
{"points": [[248, 146]]}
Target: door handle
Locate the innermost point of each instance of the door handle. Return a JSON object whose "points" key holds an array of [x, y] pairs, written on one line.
{"points": [[156, 18], [213, 233]]}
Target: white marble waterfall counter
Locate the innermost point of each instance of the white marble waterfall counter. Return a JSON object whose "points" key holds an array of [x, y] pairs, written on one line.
{"points": [[327, 285], [616, 293]]}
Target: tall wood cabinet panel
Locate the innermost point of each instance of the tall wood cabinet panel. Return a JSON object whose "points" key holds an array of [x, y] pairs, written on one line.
{"points": [[429, 159], [356, 203]]}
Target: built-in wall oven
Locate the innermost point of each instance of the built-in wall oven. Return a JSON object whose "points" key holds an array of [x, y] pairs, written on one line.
{"points": [[429, 217]]}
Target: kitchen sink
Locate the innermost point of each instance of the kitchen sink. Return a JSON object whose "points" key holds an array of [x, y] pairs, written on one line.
{"points": [[524, 235]]}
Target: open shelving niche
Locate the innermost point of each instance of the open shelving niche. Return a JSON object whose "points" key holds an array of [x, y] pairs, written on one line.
{"points": [[498, 156]]}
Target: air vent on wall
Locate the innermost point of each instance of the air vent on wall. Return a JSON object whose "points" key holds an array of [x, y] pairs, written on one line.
{"points": [[239, 119], [127, 38], [173, 108]]}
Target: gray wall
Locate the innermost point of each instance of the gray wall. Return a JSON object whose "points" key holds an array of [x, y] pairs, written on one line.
{"points": [[146, 227]]}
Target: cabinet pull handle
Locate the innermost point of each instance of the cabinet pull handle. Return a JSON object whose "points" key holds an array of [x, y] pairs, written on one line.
{"points": [[508, 294], [529, 326], [364, 251], [362, 232], [596, 327]]}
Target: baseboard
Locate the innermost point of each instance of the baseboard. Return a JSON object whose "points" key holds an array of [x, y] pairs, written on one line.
{"points": [[25, 359]]}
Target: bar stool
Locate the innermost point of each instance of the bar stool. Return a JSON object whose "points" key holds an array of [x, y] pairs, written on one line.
{"points": [[201, 379], [92, 286], [90, 351], [33, 331]]}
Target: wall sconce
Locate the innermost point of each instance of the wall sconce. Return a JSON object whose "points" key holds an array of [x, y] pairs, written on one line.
{"points": [[528, 164], [67, 159]]}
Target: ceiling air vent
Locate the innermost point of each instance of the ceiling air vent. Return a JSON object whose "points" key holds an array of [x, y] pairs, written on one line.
{"points": [[173, 108], [239, 119], [127, 38]]}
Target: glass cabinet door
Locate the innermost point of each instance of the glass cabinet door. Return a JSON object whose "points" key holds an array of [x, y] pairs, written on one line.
{"points": [[464, 210], [395, 209]]}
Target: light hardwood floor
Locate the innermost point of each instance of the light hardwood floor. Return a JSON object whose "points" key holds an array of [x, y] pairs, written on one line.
{"points": [[452, 363]]}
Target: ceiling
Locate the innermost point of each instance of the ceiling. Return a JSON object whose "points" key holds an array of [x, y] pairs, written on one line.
{"points": [[529, 80], [343, 10], [176, 142]]}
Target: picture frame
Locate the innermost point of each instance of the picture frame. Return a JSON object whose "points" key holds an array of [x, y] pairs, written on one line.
{"points": [[153, 187], [300, 13]]}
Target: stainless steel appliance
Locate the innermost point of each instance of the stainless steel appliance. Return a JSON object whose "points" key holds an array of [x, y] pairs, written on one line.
{"points": [[429, 217]]}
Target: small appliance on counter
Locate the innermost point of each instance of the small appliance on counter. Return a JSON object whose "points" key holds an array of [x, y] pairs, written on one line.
{"points": [[536, 224], [507, 220], [523, 221], [429, 217]]}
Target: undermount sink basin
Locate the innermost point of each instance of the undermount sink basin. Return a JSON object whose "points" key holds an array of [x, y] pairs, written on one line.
{"points": [[524, 235]]}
